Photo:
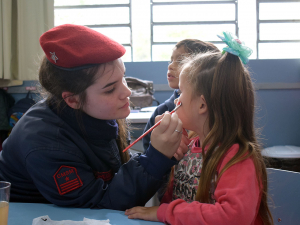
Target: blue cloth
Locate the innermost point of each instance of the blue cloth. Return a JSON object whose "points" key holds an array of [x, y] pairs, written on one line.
{"points": [[44, 148], [24, 213], [168, 105]]}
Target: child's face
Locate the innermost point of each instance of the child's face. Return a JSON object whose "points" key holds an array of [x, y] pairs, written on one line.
{"points": [[108, 97], [173, 68], [188, 112]]}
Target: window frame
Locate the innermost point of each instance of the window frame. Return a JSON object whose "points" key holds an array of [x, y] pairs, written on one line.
{"points": [[129, 5], [152, 4], [258, 22]]}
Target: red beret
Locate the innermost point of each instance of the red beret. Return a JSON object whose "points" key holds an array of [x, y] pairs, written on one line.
{"points": [[70, 46]]}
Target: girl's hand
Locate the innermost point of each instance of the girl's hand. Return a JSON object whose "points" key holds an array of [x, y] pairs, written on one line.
{"points": [[144, 213], [165, 137], [183, 147]]}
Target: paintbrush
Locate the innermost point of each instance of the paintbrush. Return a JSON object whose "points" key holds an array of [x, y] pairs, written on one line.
{"points": [[150, 129]]}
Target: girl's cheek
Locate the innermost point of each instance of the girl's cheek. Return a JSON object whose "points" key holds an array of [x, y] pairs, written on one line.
{"points": [[180, 116]]}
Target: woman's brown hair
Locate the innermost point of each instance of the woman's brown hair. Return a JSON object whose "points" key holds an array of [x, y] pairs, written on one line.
{"points": [[54, 81], [227, 88]]}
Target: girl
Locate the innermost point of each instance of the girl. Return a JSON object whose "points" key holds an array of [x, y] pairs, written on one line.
{"points": [[182, 48], [67, 149], [218, 104]]}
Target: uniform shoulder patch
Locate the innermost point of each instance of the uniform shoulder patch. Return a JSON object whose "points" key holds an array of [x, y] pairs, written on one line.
{"points": [[67, 179]]}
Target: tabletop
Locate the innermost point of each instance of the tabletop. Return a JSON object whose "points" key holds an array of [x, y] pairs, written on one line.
{"points": [[138, 120], [24, 213], [139, 117]]}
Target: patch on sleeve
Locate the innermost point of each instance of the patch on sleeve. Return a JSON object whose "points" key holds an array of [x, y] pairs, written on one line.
{"points": [[67, 179], [106, 176]]}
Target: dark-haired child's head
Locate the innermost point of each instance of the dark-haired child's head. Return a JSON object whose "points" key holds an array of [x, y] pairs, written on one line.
{"points": [[182, 49]]}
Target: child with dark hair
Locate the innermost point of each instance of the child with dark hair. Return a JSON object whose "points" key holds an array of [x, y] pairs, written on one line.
{"points": [[68, 148], [222, 179], [182, 49]]}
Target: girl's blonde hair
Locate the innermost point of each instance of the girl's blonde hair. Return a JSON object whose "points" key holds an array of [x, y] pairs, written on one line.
{"points": [[227, 88]]}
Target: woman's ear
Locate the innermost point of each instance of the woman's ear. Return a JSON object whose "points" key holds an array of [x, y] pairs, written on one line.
{"points": [[202, 105], [71, 99]]}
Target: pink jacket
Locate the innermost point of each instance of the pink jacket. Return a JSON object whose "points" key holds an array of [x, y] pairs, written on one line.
{"points": [[237, 198]]}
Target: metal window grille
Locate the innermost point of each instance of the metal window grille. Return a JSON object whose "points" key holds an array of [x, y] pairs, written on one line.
{"points": [[107, 25], [276, 20], [157, 3]]}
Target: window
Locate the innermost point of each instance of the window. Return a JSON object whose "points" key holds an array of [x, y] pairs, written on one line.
{"points": [[278, 29], [112, 18], [149, 29], [172, 21]]}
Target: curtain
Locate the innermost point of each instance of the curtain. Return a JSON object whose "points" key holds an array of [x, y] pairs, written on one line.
{"points": [[22, 22]]}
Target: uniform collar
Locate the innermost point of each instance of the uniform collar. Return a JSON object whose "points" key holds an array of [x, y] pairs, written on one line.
{"points": [[87, 126]]}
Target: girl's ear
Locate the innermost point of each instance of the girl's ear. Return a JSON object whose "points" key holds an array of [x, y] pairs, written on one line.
{"points": [[71, 99], [202, 105]]}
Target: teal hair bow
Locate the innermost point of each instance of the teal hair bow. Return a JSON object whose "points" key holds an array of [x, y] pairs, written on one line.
{"points": [[236, 47]]}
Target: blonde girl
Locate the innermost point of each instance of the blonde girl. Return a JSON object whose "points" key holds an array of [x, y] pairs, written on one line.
{"points": [[222, 178]]}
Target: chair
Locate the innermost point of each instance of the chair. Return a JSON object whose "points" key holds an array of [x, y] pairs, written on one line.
{"points": [[284, 191]]}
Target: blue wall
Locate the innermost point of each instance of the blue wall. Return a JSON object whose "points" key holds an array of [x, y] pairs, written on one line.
{"points": [[156, 71], [278, 110]]}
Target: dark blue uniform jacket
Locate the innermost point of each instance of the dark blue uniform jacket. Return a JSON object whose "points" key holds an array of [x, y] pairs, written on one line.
{"points": [[168, 105], [48, 157]]}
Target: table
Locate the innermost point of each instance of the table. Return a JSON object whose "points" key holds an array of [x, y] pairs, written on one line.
{"points": [[138, 121], [139, 117], [24, 213]]}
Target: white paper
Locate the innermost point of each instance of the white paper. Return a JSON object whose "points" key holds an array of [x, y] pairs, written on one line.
{"points": [[96, 222], [45, 220]]}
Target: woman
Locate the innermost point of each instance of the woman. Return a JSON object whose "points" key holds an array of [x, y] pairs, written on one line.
{"points": [[67, 149]]}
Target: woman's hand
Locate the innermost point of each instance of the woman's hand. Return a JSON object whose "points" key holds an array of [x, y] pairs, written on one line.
{"points": [[183, 147], [144, 213], [166, 137], [159, 117]]}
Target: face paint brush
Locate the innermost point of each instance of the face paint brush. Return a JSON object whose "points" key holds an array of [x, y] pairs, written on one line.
{"points": [[150, 129]]}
